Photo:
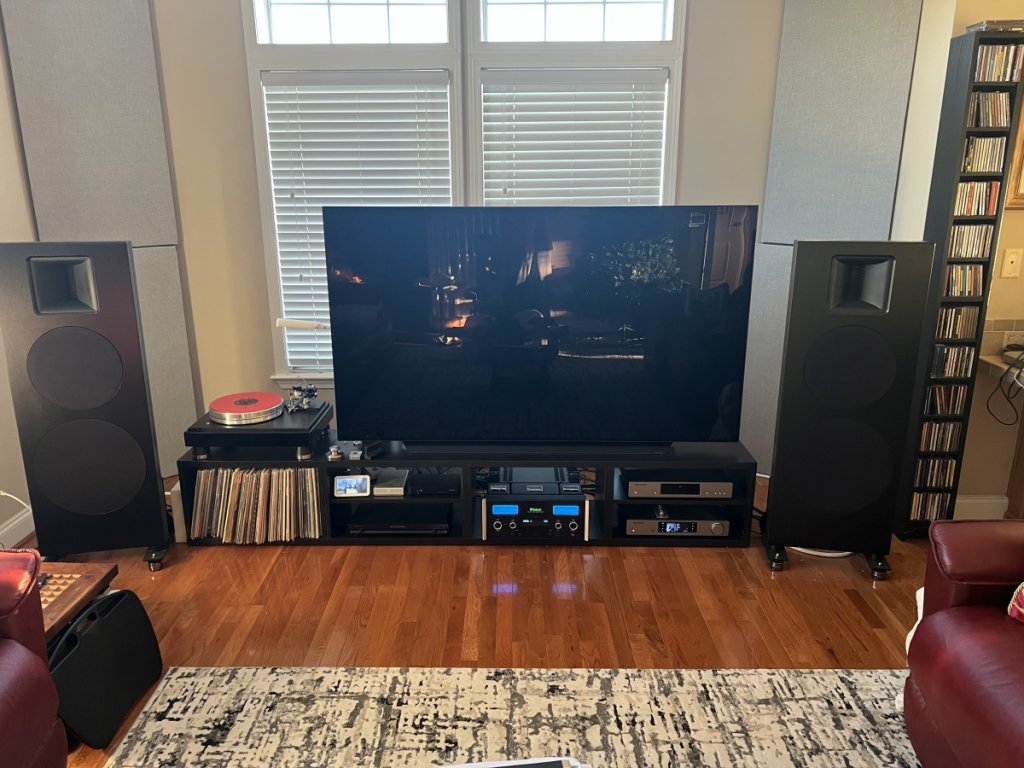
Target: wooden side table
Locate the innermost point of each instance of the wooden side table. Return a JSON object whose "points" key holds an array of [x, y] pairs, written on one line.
{"points": [[67, 588]]}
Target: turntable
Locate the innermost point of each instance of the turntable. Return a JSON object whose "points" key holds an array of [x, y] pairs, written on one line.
{"points": [[251, 423]]}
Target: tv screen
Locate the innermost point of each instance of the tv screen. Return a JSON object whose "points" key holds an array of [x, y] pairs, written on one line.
{"points": [[563, 325]]}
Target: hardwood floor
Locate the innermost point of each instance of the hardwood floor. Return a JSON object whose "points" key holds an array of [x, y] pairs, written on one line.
{"points": [[519, 606]]}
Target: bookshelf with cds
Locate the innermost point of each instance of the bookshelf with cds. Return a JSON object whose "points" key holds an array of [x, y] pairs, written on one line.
{"points": [[980, 115]]}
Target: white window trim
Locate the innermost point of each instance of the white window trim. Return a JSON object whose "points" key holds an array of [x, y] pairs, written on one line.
{"points": [[466, 125]]}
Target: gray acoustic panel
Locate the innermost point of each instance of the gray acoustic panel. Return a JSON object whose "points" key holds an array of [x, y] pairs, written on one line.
{"points": [[766, 333], [840, 108], [85, 83], [165, 343]]}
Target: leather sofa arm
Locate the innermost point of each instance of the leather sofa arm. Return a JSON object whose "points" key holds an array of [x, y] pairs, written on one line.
{"points": [[973, 562], [21, 612]]}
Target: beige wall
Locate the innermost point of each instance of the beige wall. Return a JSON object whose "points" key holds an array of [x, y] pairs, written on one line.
{"points": [[16, 224], [209, 123], [972, 11], [731, 58]]}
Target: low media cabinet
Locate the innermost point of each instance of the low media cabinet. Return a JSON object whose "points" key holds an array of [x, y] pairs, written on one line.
{"points": [[688, 494]]}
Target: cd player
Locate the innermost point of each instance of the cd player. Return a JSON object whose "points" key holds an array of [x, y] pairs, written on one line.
{"points": [[671, 489]]}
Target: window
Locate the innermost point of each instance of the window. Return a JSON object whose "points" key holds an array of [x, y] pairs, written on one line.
{"points": [[284, 22], [562, 137], [346, 138], [569, 110], [581, 20]]}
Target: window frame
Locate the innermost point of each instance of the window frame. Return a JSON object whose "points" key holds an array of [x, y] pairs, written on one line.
{"points": [[465, 56]]}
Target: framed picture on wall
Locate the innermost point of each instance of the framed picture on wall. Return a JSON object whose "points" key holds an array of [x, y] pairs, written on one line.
{"points": [[1015, 194]]}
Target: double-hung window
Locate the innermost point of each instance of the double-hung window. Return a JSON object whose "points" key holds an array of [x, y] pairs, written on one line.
{"points": [[469, 102]]}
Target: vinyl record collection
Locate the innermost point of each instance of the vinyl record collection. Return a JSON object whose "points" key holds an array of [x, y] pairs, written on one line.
{"points": [[254, 506]]}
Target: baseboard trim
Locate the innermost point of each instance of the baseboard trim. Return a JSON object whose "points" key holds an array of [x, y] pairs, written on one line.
{"points": [[980, 507], [17, 529]]}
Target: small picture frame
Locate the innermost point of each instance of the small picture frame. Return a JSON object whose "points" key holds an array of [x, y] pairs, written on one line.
{"points": [[349, 486], [1015, 192]]}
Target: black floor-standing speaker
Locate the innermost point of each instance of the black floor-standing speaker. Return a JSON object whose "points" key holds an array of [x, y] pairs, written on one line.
{"points": [[71, 333], [853, 373]]}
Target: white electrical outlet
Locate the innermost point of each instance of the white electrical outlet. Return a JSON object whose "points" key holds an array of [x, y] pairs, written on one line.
{"points": [[1011, 262]]}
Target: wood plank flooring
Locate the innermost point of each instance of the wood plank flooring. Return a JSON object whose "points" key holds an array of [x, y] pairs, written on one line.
{"points": [[469, 606]]}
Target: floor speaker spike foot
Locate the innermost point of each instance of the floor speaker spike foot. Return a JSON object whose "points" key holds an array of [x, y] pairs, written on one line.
{"points": [[777, 556], [155, 557], [879, 566]]}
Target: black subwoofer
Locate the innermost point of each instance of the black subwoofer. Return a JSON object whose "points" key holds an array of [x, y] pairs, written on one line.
{"points": [[852, 386], [71, 332]]}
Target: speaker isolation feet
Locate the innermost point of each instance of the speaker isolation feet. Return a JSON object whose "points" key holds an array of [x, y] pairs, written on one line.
{"points": [[777, 556], [879, 566], [155, 557]]}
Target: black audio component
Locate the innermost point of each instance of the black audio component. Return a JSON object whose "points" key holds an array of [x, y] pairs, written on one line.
{"points": [[307, 432], [423, 482], [77, 372], [400, 520], [535, 518], [853, 373], [102, 664]]}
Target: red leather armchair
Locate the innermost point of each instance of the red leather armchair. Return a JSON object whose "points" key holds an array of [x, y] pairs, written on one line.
{"points": [[31, 735], [964, 699]]}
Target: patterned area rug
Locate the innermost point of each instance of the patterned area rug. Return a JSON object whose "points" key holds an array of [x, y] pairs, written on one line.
{"points": [[313, 717]]}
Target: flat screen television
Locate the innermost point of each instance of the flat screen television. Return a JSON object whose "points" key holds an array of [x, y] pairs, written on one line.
{"points": [[539, 325]]}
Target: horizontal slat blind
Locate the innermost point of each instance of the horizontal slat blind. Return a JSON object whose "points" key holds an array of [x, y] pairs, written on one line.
{"points": [[338, 141], [567, 137]]}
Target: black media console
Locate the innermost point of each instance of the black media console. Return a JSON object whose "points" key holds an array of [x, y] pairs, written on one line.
{"points": [[690, 494]]}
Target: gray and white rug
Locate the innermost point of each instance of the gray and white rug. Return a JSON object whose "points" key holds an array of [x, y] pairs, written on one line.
{"points": [[320, 717]]}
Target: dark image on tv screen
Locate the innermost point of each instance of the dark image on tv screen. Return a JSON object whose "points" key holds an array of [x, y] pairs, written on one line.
{"points": [[564, 325]]}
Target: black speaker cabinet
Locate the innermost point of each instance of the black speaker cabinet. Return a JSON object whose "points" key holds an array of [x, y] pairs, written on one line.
{"points": [[71, 332], [102, 664], [852, 386]]}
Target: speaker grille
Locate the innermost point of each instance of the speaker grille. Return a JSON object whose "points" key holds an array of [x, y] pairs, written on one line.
{"points": [[75, 368], [89, 467], [838, 466], [849, 367]]}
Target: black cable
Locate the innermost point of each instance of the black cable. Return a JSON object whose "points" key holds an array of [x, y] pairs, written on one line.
{"points": [[1009, 386]]}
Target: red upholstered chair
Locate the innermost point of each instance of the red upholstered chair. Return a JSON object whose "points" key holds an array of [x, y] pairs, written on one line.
{"points": [[31, 736], [964, 699]]}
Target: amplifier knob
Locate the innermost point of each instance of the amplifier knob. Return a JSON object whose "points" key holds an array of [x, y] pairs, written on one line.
{"points": [[717, 529], [573, 525], [496, 525]]}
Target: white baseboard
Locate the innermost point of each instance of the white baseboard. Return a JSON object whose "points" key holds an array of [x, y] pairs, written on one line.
{"points": [[980, 507], [17, 529]]}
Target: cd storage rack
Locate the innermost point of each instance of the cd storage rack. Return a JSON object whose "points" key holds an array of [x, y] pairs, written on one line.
{"points": [[225, 494], [973, 155]]}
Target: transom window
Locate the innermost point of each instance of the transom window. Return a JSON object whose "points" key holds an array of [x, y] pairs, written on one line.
{"points": [[286, 22], [576, 20]]}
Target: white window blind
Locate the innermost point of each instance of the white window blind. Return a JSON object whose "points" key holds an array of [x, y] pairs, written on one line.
{"points": [[573, 137], [346, 138]]}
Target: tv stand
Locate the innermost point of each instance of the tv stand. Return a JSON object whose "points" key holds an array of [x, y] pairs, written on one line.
{"points": [[456, 483]]}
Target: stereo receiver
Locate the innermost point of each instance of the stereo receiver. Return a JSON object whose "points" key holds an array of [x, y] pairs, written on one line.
{"points": [[535, 518]]}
